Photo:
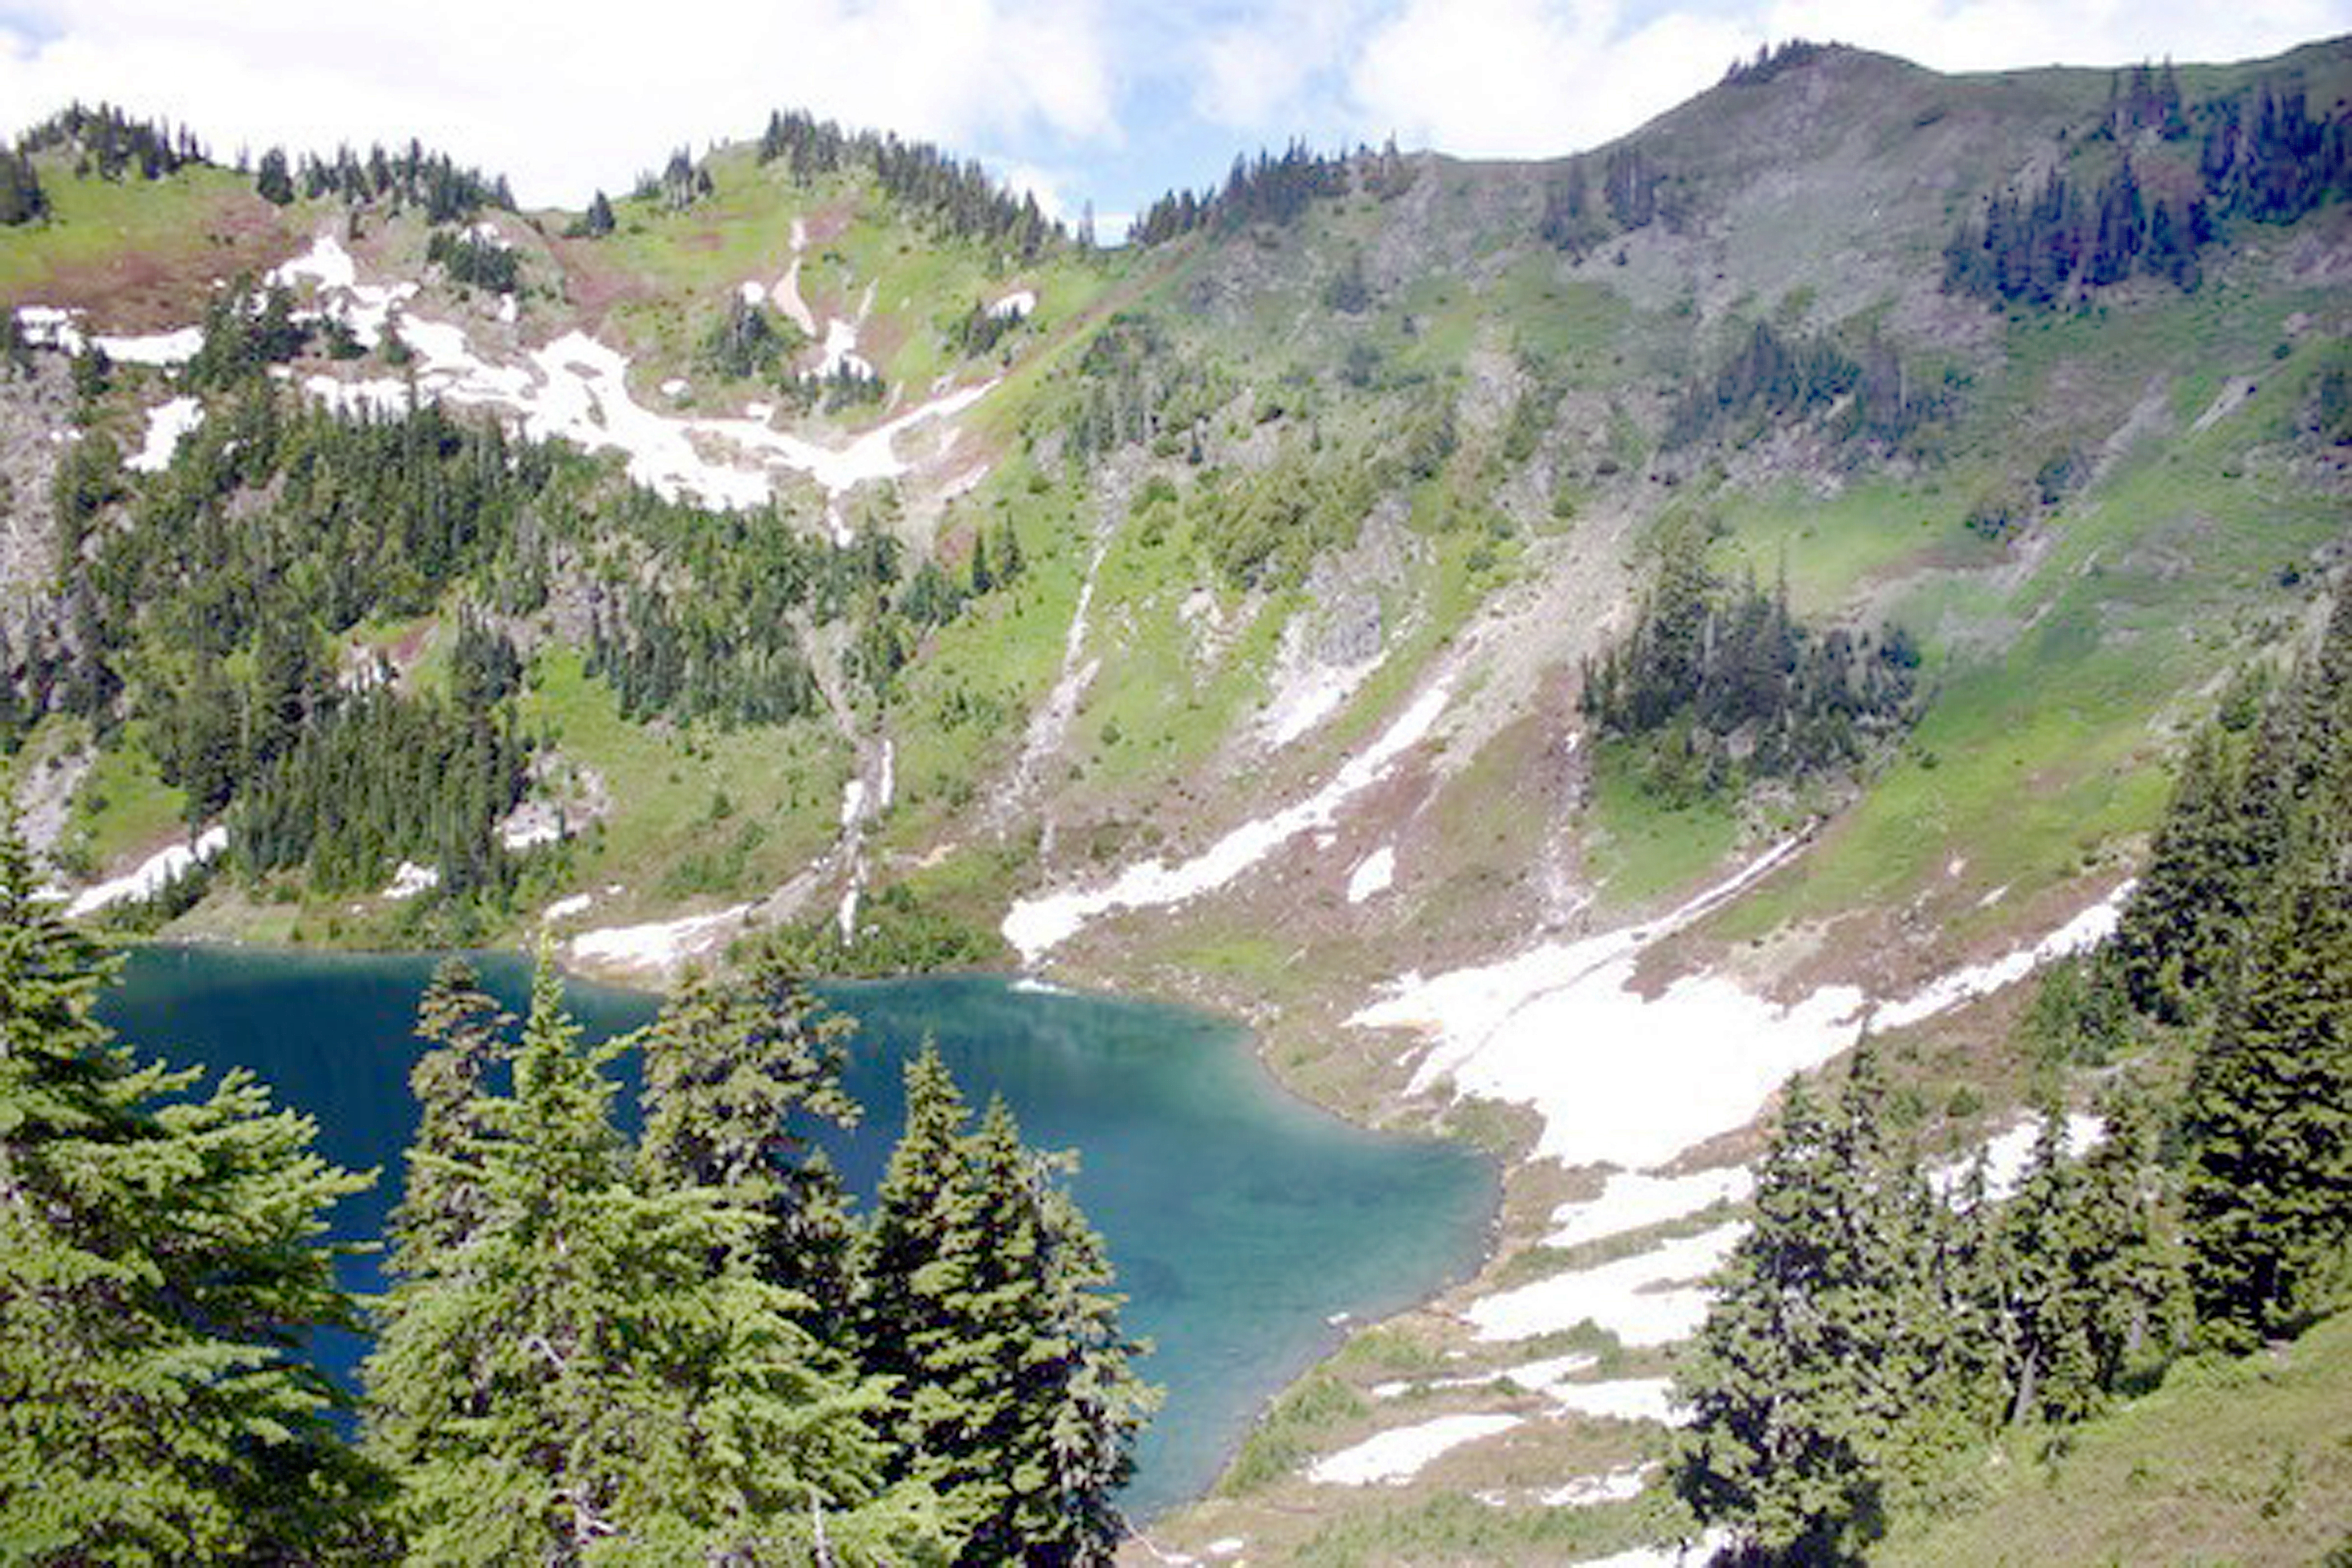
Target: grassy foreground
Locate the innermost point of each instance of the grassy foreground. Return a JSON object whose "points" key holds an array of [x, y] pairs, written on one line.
{"points": [[2245, 1461]]}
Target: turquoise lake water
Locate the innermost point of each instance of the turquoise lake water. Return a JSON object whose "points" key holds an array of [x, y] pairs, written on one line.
{"points": [[1241, 1220]]}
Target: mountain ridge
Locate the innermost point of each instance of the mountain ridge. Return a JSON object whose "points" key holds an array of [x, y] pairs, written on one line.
{"points": [[1350, 498]]}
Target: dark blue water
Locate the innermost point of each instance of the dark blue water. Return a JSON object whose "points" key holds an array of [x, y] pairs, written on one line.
{"points": [[1239, 1219]]}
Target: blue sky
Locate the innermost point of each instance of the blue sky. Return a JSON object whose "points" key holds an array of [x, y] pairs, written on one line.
{"points": [[1083, 100]]}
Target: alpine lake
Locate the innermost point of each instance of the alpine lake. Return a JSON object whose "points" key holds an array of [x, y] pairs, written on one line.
{"points": [[1247, 1226]]}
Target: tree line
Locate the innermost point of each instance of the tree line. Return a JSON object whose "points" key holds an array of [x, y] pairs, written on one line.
{"points": [[957, 194], [1272, 189], [408, 177], [2261, 157], [681, 1346], [1874, 1327], [109, 142]]}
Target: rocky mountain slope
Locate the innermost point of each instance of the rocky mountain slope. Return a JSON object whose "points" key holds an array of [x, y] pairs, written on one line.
{"points": [[1218, 617]]}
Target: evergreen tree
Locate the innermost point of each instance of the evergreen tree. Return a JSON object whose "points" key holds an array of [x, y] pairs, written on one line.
{"points": [[2267, 1191], [2194, 895], [464, 1030], [735, 1071], [1797, 1377], [160, 1267], [573, 1382], [273, 182], [983, 1290]]}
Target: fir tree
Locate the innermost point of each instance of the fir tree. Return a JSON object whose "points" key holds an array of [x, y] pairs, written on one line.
{"points": [[462, 1028], [736, 1070], [274, 182], [573, 1382], [984, 1292], [2267, 1192], [159, 1266], [1791, 1378]]}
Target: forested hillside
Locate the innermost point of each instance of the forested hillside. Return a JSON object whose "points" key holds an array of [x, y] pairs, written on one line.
{"points": [[1836, 598]]}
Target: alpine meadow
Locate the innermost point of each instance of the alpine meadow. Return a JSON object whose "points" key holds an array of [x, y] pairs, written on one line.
{"points": [[1785, 681]]}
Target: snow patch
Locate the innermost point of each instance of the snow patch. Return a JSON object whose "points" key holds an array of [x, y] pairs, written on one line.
{"points": [[56, 327], [1393, 1457], [1628, 1399], [49, 326], [841, 351], [166, 423], [1616, 1076], [152, 876], [658, 945], [1375, 875], [753, 293], [1036, 926], [576, 388], [1684, 1555], [1633, 1199], [1590, 1491], [1634, 1080], [326, 264], [2007, 1152], [409, 878], [164, 348], [853, 802], [2085, 931], [565, 907], [1651, 1299], [674, 387], [1021, 302], [1534, 1377]]}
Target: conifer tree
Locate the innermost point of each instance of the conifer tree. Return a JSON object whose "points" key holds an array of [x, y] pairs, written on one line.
{"points": [[985, 1292], [573, 1382], [159, 1265], [735, 1070], [1780, 1444], [2267, 1192], [273, 182], [462, 1028]]}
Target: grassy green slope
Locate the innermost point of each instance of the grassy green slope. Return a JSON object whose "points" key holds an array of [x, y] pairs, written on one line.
{"points": [[2229, 1462]]}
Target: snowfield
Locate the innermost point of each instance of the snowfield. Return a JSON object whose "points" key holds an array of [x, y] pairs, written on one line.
{"points": [[577, 388], [1633, 1200], [152, 876], [1653, 1298], [1395, 1457], [1036, 926], [659, 946]]}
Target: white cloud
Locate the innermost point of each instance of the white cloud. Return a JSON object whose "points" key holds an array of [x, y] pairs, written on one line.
{"points": [[1527, 78], [565, 101], [1260, 75]]}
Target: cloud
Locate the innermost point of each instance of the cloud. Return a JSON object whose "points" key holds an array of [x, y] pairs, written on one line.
{"points": [[566, 105], [1261, 73], [1526, 78]]}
